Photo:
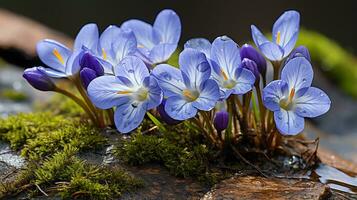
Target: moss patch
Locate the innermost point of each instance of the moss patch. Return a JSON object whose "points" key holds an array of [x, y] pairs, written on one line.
{"points": [[13, 95]]}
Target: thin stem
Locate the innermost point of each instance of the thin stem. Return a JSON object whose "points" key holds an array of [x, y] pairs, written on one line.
{"points": [[110, 114], [261, 107], [79, 101]]}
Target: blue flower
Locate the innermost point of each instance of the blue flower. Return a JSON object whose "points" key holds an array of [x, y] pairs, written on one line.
{"points": [[62, 61], [114, 45], [225, 60], [156, 43], [133, 91], [189, 88], [285, 34], [292, 98], [38, 79]]}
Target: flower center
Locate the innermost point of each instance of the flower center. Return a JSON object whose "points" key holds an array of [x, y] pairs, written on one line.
{"points": [[142, 94], [190, 95], [229, 84], [287, 104]]}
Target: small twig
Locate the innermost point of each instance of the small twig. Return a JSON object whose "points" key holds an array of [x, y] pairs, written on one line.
{"points": [[247, 162], [149, 130], [43, 192]]}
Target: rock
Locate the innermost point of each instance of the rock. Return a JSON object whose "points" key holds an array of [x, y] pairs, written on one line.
{"points": [[252, 187]]}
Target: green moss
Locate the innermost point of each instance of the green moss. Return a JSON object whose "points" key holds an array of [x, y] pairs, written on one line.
{"points": [[339, 64], [14, 95], [62, 105]]}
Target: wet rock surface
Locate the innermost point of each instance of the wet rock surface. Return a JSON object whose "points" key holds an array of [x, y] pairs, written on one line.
{"points": [[250, 187]]}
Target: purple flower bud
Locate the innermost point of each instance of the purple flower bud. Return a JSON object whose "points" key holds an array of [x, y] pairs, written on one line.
{"points": [[221, 120], [300, 51], [89, 61], [251, 66], [247, 51], [87, 75], [38, 79], [164, 116]]}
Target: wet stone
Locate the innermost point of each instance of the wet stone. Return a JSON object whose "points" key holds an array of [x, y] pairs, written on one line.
{"points": [[251, 187]]}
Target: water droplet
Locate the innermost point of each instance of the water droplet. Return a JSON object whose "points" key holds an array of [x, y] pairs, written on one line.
{"points": [[225, 38], [166, 76], [304, 80], [131, 71]]}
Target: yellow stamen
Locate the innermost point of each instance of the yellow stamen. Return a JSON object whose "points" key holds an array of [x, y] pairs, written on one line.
{"points": [[291, 95], [278, 37], [225, 77], [190, 95], [124, 92], [59, 57], [140, 46], [104, 54]]}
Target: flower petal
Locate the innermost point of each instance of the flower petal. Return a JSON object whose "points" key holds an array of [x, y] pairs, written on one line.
{"points": [[107, 38], [288, 123], [129, 116], [72, 65], [53, 54], [103, 92], [290, 45], [200, 44], [88, 37], [194, 64], [225, 54], [313, 103], [52, 73], [155, 92], [272, 51], [245, 80], [209, 95], [169, 79], [124, 45], [297, 73], [273, 93], [180, 109], [144, 33], [287, 26], [161, 53], [257, 36], [132, 68], [168, 25]]}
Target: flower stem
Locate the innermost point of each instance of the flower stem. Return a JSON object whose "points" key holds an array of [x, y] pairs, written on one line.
{"points": [[261, 107]]}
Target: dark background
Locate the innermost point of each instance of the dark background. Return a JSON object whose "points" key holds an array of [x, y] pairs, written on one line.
{"points": [[211, 18]]}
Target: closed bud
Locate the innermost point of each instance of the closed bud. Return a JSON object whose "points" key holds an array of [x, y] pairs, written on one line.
{"points": [[164, 116], [300, 51], [221, 120], [251, 66], [38, 79], [247, 51], [87, 75], [87, 60]]}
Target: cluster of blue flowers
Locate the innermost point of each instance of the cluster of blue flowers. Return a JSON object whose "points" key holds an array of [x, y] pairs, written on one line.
{"points": [[124, 72]]}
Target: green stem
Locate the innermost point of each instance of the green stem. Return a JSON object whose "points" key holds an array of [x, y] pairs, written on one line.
{"points": [[261, 107]]}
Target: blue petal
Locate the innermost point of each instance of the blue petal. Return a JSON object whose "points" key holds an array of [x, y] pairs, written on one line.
{"points": [[155, 93], [194, 64], [200, 44], [297, 73], [169, 79], [209, 95], [132, 68], [272, 51], [107, 38], [88, 37], [288, 123], [52, 73], [103, 92], [290, 45], [180, 109], [288, 26], [53, 54], [225, 54], [168, 25], [257, 36], [245, 80], [313, 103], [73, 65], [161, 53], [145, 35], [124, 45], [129, 116], [273, 93]]}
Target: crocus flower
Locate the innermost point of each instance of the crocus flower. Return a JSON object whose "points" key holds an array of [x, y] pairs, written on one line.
{"points": [[221, 120], [115, 45], [285, 34], [189, 88], [156, 43], [63, 62], [300, 51], [292, 98], [87, 75], [87, 60], [225, 61], [38, 79], [132, 91], [247, 51], [251, 66]]}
